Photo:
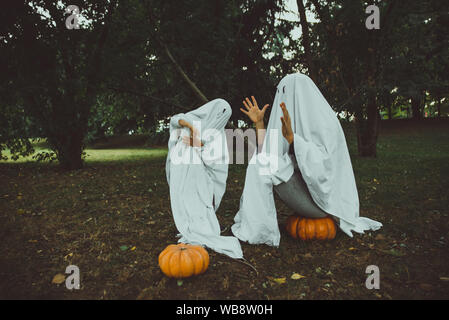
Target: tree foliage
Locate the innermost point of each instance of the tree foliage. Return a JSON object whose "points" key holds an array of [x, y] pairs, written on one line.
{"points": [[134, 63]]}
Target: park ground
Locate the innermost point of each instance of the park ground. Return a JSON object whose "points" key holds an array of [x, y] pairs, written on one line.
{"points": [[113, 218]]}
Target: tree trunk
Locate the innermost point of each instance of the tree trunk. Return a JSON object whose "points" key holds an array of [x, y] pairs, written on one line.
{"points": [[69, 150], [439, 107], [368, 130], [387, 102], [306, 39], [368, 127], [417, 108]]}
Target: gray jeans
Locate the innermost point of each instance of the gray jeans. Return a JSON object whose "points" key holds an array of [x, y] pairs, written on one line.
{"points": [[295, 194]]}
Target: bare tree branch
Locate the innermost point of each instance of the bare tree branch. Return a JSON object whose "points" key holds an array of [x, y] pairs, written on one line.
{"points": [[180, 70], [306, 39]]}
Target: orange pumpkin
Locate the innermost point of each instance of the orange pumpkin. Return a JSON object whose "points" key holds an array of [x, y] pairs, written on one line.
{"points": [[309, 229], [183, 260]]}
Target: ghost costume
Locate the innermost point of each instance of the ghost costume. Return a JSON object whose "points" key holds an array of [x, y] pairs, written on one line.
{"points": [[197, 177], [317, 169]]}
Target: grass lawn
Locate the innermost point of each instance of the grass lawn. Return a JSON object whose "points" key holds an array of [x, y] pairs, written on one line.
{"points": [[113, 218]]}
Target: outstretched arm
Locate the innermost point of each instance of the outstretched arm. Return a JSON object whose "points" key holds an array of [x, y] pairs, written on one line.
{"points": [[194, 139], [256, 115]]}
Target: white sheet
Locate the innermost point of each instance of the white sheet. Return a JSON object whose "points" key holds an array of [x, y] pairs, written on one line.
{"points": [[323, 159], [197, 177]]}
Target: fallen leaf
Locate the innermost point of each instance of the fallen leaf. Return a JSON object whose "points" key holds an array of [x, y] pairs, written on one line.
{"points": [[226, 283], [58, 279], [426, 286], [123, 248], [179, 283], [69, 255], [379, 237], [278, 280], [393, 252], [444, 278], [297, 276], [133, 248]]}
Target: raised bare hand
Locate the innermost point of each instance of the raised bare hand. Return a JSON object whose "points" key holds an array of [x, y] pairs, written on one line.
{"points": [[287, 130], [252, 110]]}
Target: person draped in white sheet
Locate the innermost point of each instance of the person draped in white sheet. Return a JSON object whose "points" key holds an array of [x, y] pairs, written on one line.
{"points": [[197, 169], [303, 122]]}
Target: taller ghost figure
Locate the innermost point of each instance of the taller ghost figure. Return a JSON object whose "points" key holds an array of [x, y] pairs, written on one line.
{"points": [[317, 159], [197, 176]]}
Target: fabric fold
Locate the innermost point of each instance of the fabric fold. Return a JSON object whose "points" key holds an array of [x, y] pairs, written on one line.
{"points": [[197, 178], [322, 158]]}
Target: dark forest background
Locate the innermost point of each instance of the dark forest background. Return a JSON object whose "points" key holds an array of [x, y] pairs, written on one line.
{"points": [[134, 63]]}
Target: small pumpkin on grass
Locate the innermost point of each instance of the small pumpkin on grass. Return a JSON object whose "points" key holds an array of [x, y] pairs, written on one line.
{"points": [[310, 229], [183, 260]]}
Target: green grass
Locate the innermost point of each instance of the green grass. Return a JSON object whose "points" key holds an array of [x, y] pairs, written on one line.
{"points": [[103, 155], [123, 155]]}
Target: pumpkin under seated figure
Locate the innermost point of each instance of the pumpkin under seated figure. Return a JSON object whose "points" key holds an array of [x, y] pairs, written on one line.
{"points": [[183, 260], [311, 229]]}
